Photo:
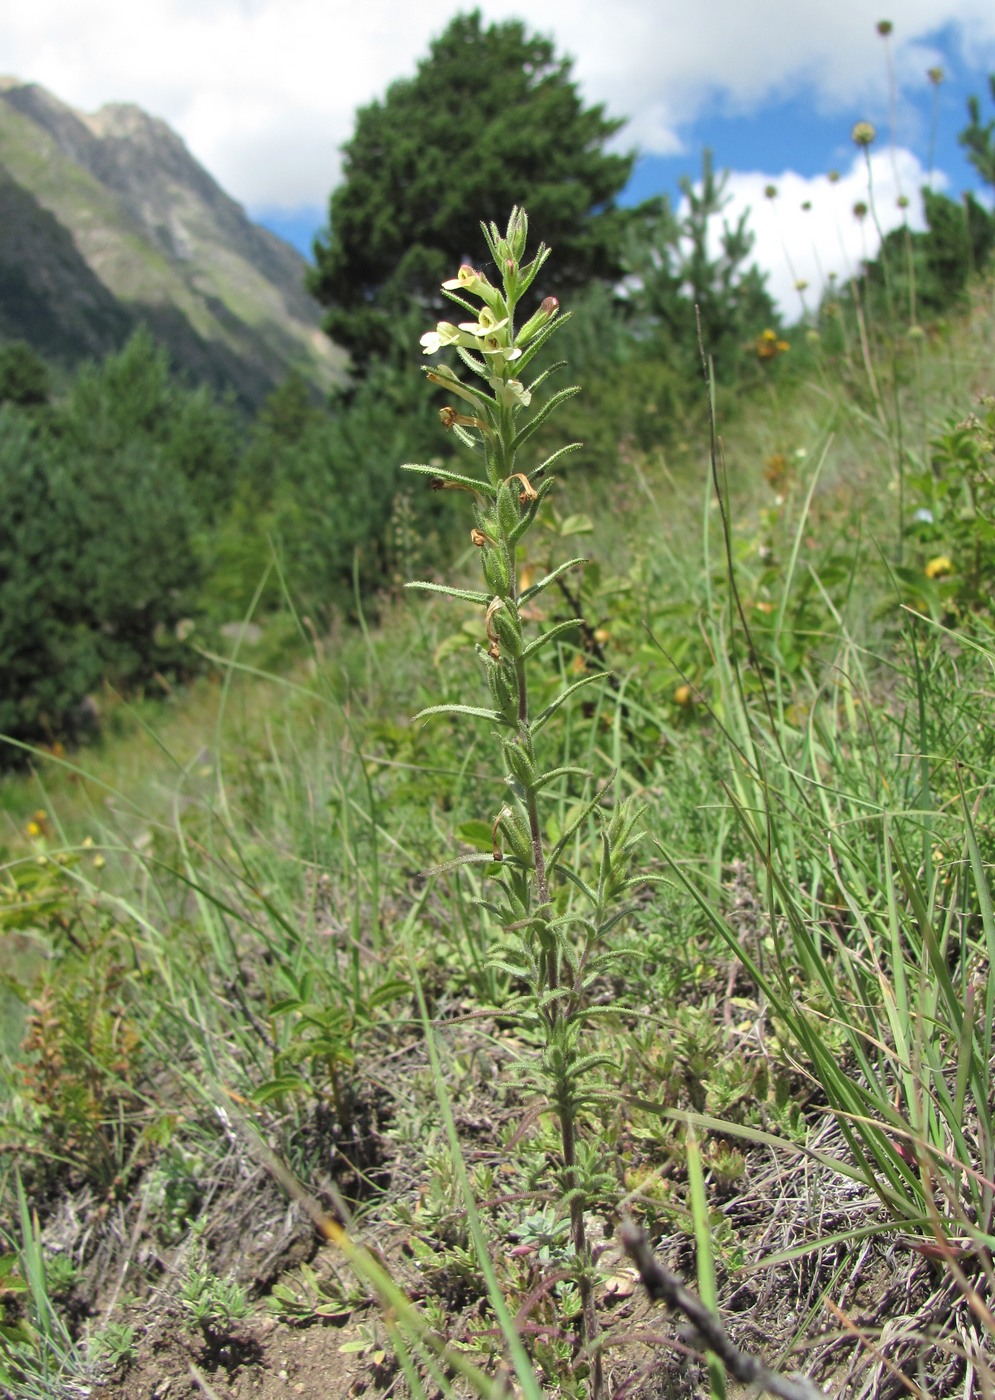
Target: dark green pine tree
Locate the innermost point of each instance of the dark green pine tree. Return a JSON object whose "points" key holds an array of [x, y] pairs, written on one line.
{"points": [[491, 119]]}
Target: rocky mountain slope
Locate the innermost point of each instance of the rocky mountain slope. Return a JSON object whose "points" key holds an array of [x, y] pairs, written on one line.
{"points": [[107, 221]]}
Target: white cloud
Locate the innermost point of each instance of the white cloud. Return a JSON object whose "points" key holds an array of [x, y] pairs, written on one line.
{"points": [[264, 91], [797, 244]]}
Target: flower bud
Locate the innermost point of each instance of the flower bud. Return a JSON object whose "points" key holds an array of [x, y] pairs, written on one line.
{"points": [[535, 323], [517, 236]]}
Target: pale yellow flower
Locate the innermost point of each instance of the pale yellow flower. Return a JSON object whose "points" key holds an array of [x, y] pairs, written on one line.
{"points": [[486, 324], [444, 334], [513, 393], [468, 279]]}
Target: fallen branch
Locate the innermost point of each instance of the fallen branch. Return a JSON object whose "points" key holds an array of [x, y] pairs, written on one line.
{"points": [[662, 1285]]}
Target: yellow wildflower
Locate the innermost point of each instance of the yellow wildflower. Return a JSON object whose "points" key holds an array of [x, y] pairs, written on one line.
{"points": [[768, 346]]}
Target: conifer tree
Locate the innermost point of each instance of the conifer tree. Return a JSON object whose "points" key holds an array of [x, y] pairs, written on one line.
{"points": [[492, 118]]}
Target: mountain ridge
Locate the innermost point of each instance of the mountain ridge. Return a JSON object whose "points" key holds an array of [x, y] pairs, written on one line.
{"points": [[108, 215]]}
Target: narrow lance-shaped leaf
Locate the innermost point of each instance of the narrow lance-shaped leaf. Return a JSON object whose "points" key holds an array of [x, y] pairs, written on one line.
{"points": [[466, 595], [555, 457], [561, 569], [471, 483], [537, 420], [469, 711], [545, 638], [563, 697]]}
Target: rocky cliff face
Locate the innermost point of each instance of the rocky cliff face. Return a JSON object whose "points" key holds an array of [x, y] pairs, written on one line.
{"points": [[106, 221]]}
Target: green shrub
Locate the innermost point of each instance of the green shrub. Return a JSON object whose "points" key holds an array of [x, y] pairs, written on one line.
{"points": [[24, 377], [48, 655], [317, 488], [100, 542]]}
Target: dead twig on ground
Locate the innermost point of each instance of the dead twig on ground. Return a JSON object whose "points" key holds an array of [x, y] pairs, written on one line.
{"points": [[661, 1284]]}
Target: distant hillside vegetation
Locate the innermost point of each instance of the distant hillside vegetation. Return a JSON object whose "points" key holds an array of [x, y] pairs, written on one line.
{"points": [[107, 221]]}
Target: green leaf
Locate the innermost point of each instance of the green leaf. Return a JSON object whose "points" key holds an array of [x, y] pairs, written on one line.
{"points": [[470, 711], [545, 638], [553, 773], [581, 817], [536, 422], [388, 992], [577, 525], [280, 1008], [477, 858], [276, 1088], [457, 479], [555, 456], [537, 588], [561, 699], [465, 595], [476, 834], [705, 1257]]}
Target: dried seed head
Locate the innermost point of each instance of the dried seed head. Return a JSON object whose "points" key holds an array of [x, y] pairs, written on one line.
{"points": [[528, 492], [495, 827], [494, 650]]}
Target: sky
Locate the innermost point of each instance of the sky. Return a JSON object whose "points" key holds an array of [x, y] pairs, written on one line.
{"points": [[264, 92]]}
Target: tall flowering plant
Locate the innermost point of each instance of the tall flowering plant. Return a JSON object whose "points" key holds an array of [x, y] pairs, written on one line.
{"points": [[556, 919]]}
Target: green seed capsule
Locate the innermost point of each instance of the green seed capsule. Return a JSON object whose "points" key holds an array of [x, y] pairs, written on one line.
{"points": [[497, 572], [509, 512]]}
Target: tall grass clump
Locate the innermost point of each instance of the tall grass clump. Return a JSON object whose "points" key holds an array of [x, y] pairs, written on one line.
{"points": [[855, 791]]}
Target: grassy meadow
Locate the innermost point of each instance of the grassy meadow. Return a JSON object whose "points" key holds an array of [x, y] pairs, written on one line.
{"points": [[291, 1103]]}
